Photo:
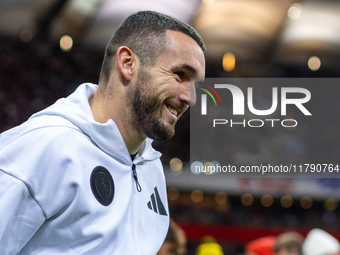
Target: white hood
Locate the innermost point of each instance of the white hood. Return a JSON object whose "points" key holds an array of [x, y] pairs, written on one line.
{"points": [[76, 109]]}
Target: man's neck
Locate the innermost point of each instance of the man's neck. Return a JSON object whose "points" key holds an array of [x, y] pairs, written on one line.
{"points": [[103, 110]]}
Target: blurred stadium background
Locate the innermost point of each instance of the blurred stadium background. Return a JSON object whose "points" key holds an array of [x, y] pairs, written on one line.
{"points": [[47, 48]]}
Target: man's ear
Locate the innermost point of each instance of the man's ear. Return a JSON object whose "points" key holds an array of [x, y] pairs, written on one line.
{"points": [[126, 61]]}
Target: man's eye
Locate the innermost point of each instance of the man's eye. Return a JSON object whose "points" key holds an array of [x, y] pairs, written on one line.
{"points": [[180, 74]]}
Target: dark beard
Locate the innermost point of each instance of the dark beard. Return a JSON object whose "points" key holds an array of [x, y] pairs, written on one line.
{"points": [[146, 110]]}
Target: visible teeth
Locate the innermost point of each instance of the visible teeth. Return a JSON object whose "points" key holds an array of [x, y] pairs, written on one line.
{"points": [[172, 110]]}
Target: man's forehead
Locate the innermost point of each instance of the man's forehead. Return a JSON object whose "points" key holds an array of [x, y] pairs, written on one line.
{"points": [[187, 51], [173, 36]]}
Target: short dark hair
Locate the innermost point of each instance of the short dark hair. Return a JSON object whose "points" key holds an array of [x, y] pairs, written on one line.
{"points": [[144, 33]]}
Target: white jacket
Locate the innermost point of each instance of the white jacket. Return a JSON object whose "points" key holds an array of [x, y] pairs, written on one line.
{"points": [[67, 186]]}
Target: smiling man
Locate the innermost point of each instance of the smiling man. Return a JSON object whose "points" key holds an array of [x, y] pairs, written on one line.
{"points": [[81, 176]]}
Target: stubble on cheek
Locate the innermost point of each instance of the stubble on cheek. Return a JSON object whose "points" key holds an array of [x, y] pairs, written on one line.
{"points": [[147, 109]]}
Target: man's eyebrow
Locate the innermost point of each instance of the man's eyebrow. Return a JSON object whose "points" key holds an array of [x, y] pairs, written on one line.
{"points": [[187, 67]]}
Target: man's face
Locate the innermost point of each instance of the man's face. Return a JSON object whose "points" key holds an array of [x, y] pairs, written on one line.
{"points": [[163, 92]]}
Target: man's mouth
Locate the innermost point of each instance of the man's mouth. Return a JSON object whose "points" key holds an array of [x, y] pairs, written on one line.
{"points": [[172, 110]]}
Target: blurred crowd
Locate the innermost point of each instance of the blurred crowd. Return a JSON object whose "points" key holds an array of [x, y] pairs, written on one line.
{"points": [[317, 242], [34, 75], [234, 213]]}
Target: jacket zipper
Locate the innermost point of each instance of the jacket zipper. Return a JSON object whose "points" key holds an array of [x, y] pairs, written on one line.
{"points": [[139, 188]]}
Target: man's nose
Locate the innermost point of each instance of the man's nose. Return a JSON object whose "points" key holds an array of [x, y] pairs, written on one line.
{"points": [[188, 93]]}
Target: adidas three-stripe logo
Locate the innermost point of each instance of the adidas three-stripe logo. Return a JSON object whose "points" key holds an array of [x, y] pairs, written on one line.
{"points": [[156, 202]]}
